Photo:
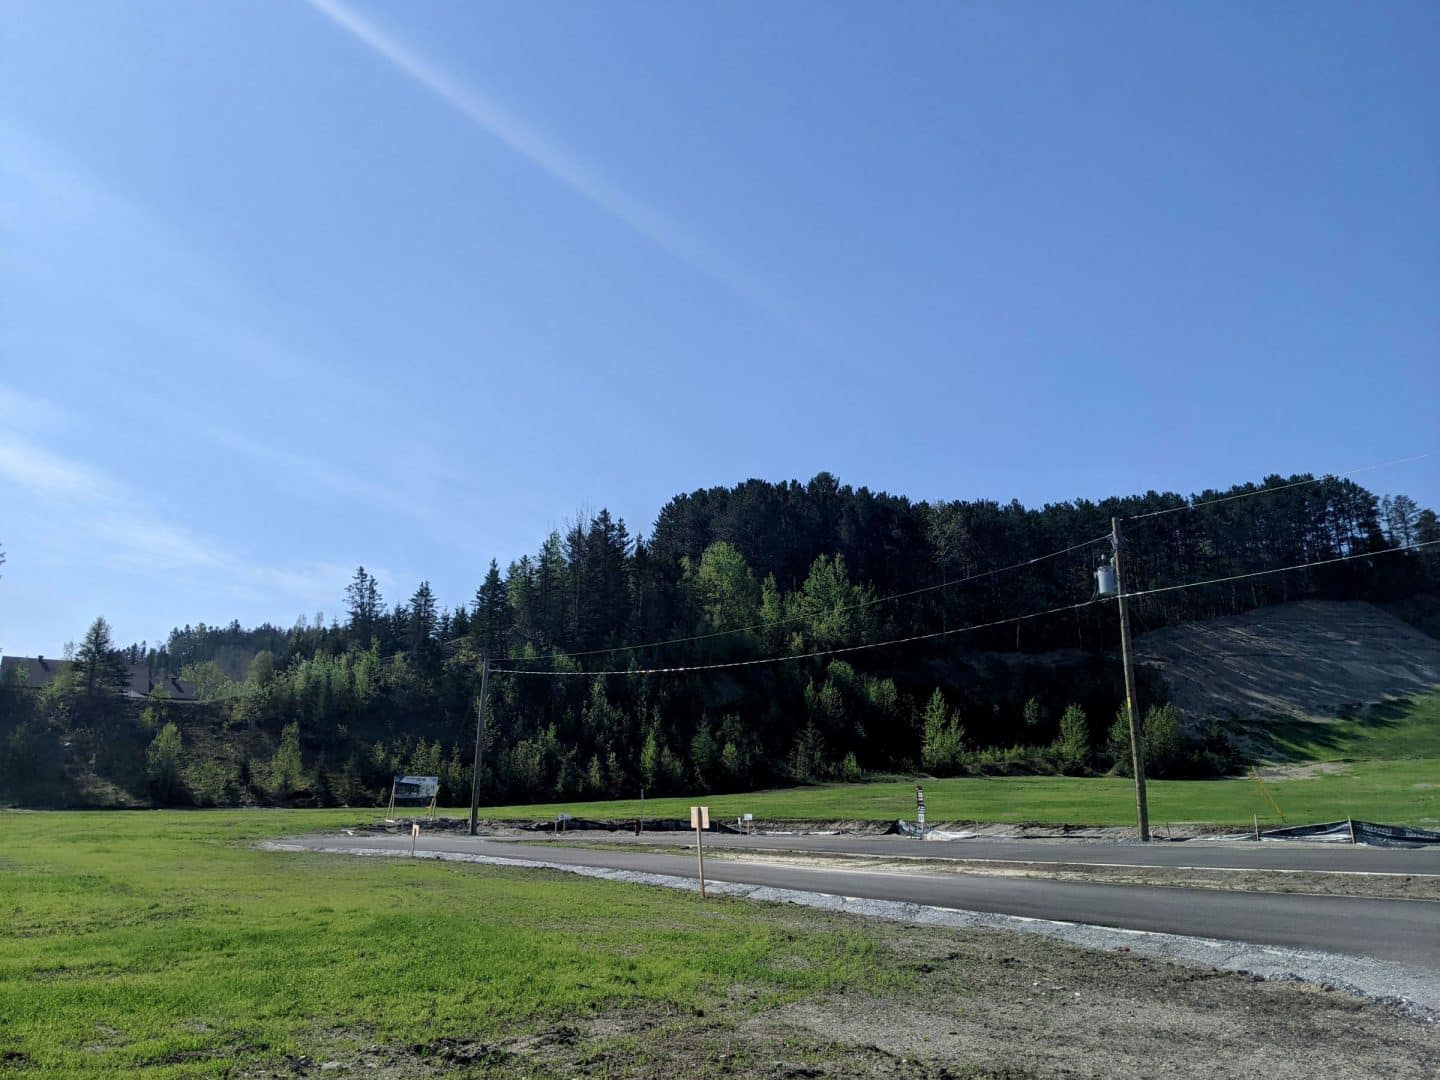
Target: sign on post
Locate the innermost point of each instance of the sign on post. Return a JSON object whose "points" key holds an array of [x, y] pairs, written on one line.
{"points": [[415, 788], [700, 821], [920, 806], [414, 835]]}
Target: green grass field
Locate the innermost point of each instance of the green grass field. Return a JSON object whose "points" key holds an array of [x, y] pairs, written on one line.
{"points": [[163, 943], [1390, 760]]}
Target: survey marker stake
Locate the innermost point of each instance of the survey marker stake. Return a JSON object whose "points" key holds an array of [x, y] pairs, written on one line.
{"points": [[700, 821]]}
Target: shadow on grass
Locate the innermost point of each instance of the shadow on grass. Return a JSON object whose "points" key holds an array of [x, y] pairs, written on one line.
{"points": [[1292, 741]]}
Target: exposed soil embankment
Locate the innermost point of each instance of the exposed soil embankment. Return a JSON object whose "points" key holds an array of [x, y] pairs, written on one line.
{"points": [[1312, 660]]}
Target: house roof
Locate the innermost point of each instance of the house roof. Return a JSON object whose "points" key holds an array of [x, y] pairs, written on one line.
{"points": [[39, 672]]}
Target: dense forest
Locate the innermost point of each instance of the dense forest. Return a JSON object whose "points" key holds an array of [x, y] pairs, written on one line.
{"points": [[326, 712]]}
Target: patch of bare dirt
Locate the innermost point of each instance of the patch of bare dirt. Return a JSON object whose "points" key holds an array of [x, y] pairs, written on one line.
{"points": [[935, 1004], [994, 1004], [1302, 772], [1312, 660]]}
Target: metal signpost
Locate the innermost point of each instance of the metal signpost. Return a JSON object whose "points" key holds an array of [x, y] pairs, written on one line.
{"points": [[700, 821], [920, 807]]}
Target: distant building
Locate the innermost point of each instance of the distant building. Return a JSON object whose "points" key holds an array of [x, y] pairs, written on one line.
{"points": [[38, 672]]}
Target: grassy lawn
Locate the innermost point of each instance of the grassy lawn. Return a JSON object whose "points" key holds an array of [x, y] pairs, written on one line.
{"points": [[162, 943], [1391, 773]]}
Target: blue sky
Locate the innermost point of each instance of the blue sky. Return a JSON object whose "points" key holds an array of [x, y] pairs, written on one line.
{"points": [[287, 287]]}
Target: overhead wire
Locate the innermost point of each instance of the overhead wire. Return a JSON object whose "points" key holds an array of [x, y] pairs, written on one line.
{"points": [[788, 620], [801, 618], [1277, 487], [796, 656], [1282, 569], [815, 654]]}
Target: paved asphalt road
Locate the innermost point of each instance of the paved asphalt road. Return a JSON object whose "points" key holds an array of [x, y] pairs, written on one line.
{"points": [[1407, 931], [1234, 855]]}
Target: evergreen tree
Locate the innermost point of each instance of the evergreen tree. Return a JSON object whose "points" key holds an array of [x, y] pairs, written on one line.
{"points": [[1072, 747], [943, 747], [366, 609], [420, 623], [100, 668], [287, 767], [491, 625]]}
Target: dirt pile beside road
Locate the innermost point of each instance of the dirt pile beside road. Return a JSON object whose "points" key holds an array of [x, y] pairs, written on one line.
{"points": [[1312, 660]]}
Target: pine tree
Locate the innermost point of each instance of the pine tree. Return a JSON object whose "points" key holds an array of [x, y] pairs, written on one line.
{"points": [[99, 667], [1072, 747], [287, 767], [420, 623], [943, 747], [362, 601], [491, 625]]}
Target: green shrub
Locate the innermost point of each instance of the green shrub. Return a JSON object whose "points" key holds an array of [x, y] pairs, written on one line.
{"points": [[1072, 747], [942, 749], [162, 766]]}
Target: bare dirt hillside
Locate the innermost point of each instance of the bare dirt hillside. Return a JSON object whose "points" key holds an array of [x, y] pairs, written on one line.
{"points": [[1310, 660]]}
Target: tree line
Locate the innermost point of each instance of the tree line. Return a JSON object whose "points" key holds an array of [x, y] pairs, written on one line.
{"points": [[330, 710]]}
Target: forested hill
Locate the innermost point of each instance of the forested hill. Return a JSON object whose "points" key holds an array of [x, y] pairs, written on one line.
{"points": [[727, 574]]}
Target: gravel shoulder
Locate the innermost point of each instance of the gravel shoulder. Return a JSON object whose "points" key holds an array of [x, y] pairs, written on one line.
{"points": [[1380, 886], [1314, 883]]}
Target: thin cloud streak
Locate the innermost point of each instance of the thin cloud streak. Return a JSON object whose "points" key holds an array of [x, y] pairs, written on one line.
{"points": [[558, 162], [91, 514]]}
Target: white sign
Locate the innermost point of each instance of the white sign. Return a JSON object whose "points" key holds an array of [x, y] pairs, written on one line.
{"points": [[749, 817], [415, 831], [919, 804], [699, 817], [416, 787]]}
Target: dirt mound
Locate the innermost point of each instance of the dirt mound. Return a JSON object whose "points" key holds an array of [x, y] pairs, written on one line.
{"points": [[1310, 660]]}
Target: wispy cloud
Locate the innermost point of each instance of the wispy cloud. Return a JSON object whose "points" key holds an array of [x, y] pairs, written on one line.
{"points": [[92, 514], [201, 310], [47, 473], [559, 162]]}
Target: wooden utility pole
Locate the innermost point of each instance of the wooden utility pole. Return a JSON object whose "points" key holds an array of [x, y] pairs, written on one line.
{"points": [[479, 746], [1137, 754]]}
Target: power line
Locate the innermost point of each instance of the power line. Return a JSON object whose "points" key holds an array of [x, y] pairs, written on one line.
{"points": [[928, 588], [1283, 569], [1278, 487], [801, 618], [798, 656], [605, 672]]}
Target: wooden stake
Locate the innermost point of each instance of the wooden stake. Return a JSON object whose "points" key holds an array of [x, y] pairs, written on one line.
{"points": [[700, 819]]}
